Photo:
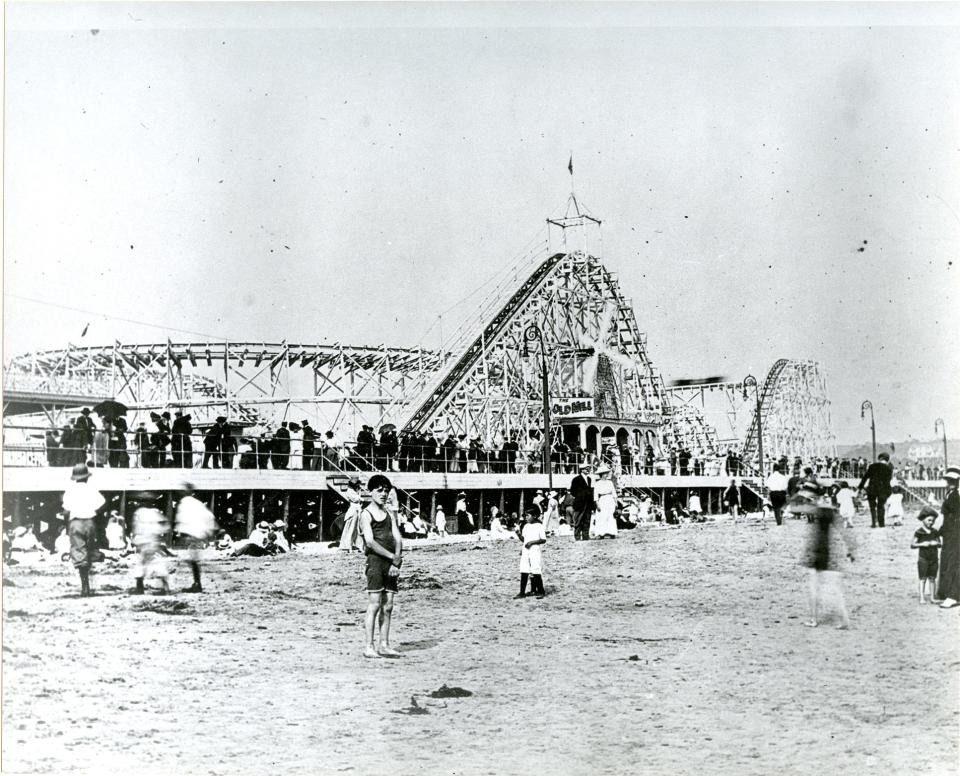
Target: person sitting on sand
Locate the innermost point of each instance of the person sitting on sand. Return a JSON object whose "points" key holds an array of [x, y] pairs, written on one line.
{"points": [[61, 545], [255, 545], [116, 533], [24, 540], [419, 527]]}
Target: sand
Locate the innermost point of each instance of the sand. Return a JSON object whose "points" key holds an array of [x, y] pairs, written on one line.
{"points": [[667, 651]]}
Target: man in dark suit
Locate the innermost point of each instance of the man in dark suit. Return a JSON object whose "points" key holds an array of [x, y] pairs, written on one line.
{"points": [[211, 444], [309, 447], [180, 444], [877, 479], [581, 487], [280, 449]]}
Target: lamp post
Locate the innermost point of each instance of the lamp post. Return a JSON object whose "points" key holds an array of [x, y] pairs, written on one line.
{"points": [[868, 405], [751, 380], [943, 429], [531, 334]]}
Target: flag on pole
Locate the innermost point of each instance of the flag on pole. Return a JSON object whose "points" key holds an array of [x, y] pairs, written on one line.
{"points": [[570, 165], [84, 332]]}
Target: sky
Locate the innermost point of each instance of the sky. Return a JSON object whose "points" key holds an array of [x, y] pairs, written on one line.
{"points": [[774, 181]]}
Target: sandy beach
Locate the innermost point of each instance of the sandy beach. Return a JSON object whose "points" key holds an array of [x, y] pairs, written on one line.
{"points": [[665, 651]]}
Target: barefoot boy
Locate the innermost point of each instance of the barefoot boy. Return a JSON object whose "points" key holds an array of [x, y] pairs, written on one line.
{"points": [[927, 540], [381, 533]]}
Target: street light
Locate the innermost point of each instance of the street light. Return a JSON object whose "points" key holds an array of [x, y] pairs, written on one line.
{"points": [[943, 428], [751, 380], [532, 334], [868, 405]]}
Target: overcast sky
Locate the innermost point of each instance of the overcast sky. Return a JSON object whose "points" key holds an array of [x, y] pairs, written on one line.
{"points": [[774, 181]]}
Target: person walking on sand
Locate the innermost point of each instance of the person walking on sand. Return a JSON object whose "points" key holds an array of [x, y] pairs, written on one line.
{"points": [[149, 530], [581, 487], [926, 539], [196, 523], [777, 485], [533, 537], [81, 502], [381, 533], [877, 480], [821, 557], [948, 588], [350, 538]]}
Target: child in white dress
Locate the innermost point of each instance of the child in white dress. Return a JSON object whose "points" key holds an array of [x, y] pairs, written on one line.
{"points": [[531, 556], [894, 506], [844, 497]]}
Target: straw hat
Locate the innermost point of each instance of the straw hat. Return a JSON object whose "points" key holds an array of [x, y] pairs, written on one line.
{"points": [[952, 473], [603, 469], [80, 472]]}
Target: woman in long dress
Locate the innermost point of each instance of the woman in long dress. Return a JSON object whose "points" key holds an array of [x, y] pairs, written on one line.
{"points": [[296, 447], [605, 495], [551, 520], [350, 537], [948, 587]]}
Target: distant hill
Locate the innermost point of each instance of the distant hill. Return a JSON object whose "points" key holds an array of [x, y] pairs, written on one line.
{"points": [[909, 450]]}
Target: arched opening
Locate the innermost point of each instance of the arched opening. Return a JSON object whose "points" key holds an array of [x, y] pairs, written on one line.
{"points": [[593, 441]]}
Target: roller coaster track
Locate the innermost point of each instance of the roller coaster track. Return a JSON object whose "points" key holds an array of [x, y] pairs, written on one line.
{"points": [[457, 370], [766, 406]]}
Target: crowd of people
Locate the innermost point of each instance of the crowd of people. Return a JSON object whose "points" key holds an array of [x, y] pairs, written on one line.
{"points": [[374, 524], [172, 441]]}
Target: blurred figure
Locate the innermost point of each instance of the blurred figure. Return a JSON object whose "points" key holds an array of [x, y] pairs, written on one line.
{"points": [[197, 525], [150, 528], [821, 554]]}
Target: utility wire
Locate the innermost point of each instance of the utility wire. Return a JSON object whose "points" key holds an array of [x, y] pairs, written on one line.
{"points": [[101, 314]]}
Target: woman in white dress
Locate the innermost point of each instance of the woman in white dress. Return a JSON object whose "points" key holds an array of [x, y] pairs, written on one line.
{"points": [[296, 447], [605, 495], [551, 520], [350, 538]]}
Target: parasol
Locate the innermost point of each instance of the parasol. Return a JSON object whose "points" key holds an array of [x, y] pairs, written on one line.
{"points": [[387, 427], [110, 408]]}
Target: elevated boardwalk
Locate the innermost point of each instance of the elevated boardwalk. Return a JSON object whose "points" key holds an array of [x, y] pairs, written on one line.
{"points": [[46, 480]]}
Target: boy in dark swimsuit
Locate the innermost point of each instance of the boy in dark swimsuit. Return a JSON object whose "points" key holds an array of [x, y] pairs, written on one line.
{"points": [[381, 533]]}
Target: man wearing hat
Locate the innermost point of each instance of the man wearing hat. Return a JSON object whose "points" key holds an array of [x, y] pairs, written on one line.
{"points": [[81, 502], [85, 425], [582, 489], [180, 444], [211, 444], [948, 589], [877, 479], [280, 450], [309, 447]]}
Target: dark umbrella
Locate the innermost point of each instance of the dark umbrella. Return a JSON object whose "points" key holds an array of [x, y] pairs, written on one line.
{"points": [[387, 427], [110, 409]]}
